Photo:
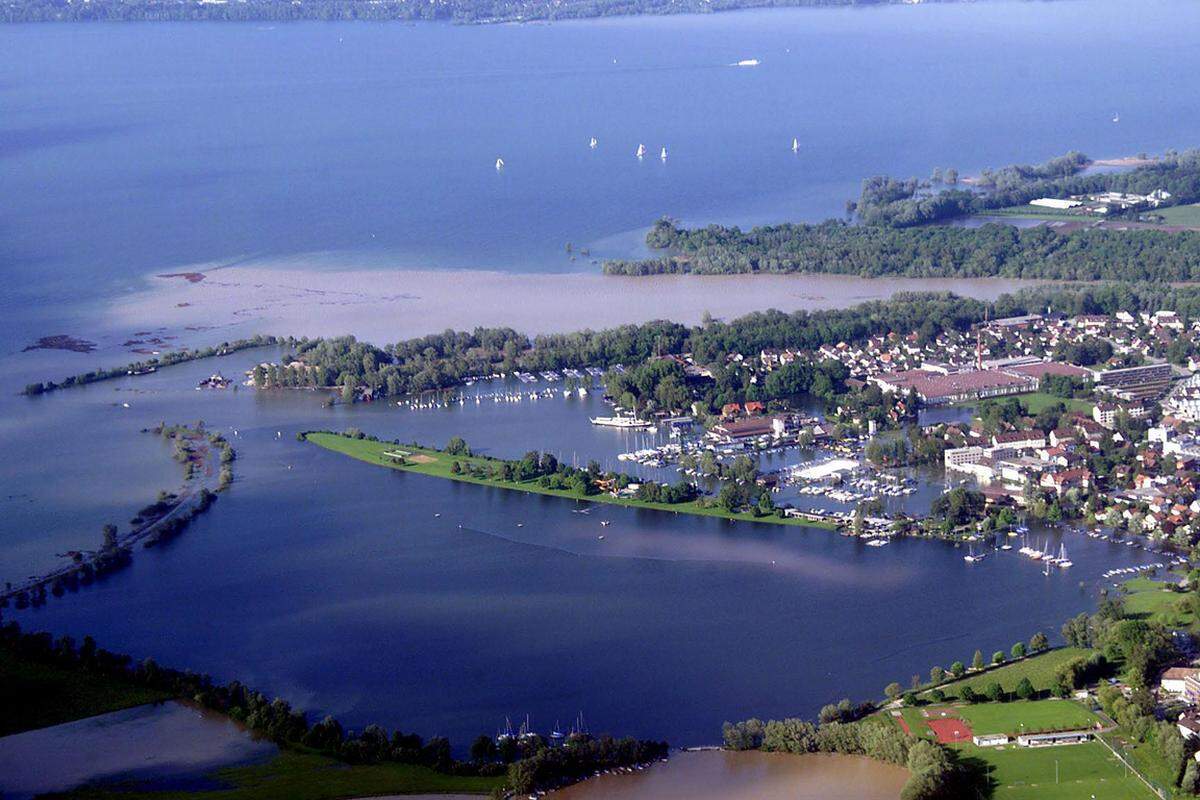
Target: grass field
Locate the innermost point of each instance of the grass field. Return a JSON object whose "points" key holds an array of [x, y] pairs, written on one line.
{"points": [[1038, 400], [438, 465], [1032, 212], [1039, 669], [38, 696], [1083, 771], [298, 776], [1148, 599], [1027, 716], [1181, 215]]}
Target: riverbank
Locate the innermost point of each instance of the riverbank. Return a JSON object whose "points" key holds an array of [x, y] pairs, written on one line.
{"points": [[437, 464], [321, 297]]}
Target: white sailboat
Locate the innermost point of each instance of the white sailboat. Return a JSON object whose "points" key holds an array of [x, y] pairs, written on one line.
{"points": [[499, 164], [971, 557], [663, 154], [1116, 117], [1063, 561], [795, 145], [592, 144], [641, 151]]}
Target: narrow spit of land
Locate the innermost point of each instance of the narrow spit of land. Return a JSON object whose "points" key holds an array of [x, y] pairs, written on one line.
{"points": [[437, 464]]}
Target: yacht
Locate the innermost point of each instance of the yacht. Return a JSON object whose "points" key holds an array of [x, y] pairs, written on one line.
{"points": [[641, 151], [499, 163], [1063, 561], [663, 154], [795, 145], [592, 144], [620, 422]]}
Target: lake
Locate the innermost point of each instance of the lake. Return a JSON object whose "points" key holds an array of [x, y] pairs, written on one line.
{"points": [[132, 150], [325, 161], [353, 590]]}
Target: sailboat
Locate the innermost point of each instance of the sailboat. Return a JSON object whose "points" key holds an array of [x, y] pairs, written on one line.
{"points": [[1063, 561], [1116, 117], [971, 557], [663, 154], [641, 151], [592, 144], [499, 163], [795, 145]]}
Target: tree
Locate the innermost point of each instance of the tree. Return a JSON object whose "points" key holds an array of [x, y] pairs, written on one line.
{"points": [[483, 748], [968, 694], [994, 692], [937, 675], [977, 661], [957, 669], [1018, 650], [1038, 642], [892, 690], [110, 536], [998, 657], [1025, 689], [457, 447], [1191, 778]]}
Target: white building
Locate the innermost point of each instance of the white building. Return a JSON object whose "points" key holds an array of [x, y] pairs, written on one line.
{"points": [[990, 739]]}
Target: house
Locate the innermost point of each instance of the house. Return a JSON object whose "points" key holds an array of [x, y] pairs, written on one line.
{"points": [[731, 409], [1173, 680], [1066, 479], [1189, 725], [990, 739], [1191, 688], [754, 407]]}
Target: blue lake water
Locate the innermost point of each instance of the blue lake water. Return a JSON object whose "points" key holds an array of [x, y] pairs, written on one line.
{"points": [[133, 149], [353, 590]]}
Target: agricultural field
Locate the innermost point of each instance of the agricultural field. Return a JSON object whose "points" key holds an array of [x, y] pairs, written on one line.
{"points": [[1188, 215]]}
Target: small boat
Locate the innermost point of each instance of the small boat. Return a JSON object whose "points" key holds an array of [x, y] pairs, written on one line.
{"points": [[641, 151], [592, 144], [601, 537], [795, 145], [971, 557], [877, 543], [748, 62], [605, 523], [663, 154], [1116, 117], [499, 164]]}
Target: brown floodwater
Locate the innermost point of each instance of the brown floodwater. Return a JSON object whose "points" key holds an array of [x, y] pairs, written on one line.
{"points": [[720, 775]]}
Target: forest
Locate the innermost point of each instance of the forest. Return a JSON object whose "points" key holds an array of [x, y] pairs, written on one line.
{"points": [[894, 236]]}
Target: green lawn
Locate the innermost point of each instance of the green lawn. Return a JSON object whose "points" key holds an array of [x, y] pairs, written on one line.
{"points": [[1033, 212], [1027, 716], [298, 776], [437, 464], [1147, 598], [1036, 401], [1181, 215], [1039, 669], [38, 696], [1083, 770]]}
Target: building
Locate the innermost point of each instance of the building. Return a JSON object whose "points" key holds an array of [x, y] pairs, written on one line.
{"points": [[1049, 739], [935, 386], [1189, 725], [749, 428], [1191, 689], [1055, 203], [1148, 380], [956, 457], [1019, 440], [990, 739], [1066, 479], [1173, 681]]}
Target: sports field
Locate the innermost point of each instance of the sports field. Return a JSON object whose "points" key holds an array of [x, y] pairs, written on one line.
{"points": [[1069, 772], [1029, 716]]}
